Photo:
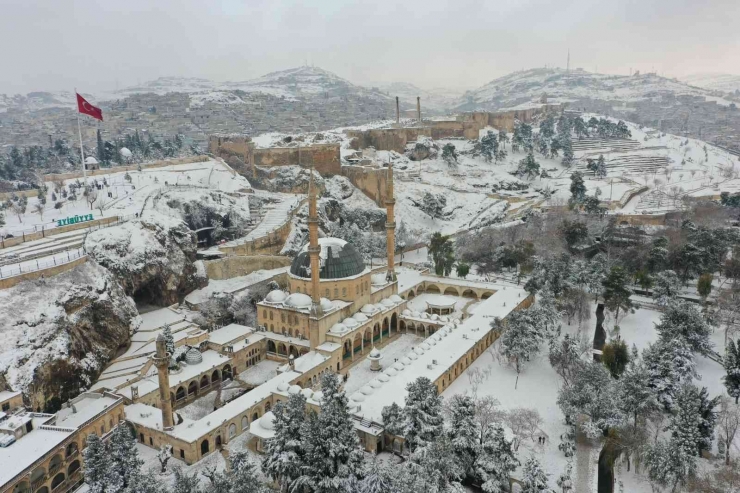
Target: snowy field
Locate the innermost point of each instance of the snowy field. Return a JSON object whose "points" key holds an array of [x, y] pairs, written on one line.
{"points": [[360, 374]]}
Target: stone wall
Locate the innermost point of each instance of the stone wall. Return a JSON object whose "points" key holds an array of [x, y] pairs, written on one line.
{"points": [[371, 181], [9, 282], [325, 158], [504, 120], [226, 268], [17, 240]]}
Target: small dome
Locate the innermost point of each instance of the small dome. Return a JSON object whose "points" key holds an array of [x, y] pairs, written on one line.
{"points": [[125, 152], [307, 393], [91, 160], [377, 279], [268, 421], [380, 307], [398, 366], [444, 318], [384, 378], [338, 328], [283, 386], [424, 315], [424, 345], [376, 383], [357, 397], [193, 356], [457, 321], [360, 317], [368, 309], [435, 316], [298, 300], [396, 299], [387, 302], [419, 351], [415, 314], [432, 341], [375, 353], [294, 389], [326, 304], [276, 296], [391, 372], [318, 396], [366, 390], [350, 322], [406, 312], [413, 356], [405, 360]]}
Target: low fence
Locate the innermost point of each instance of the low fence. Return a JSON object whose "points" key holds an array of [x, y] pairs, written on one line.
{"points": [[43, 270], [37, 234]]}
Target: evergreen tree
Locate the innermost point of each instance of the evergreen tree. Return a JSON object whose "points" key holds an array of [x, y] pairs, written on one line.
{"points": [[441, 251], [577, 189], [704, 285], [184, 482], [565, 480], [379, 479], [635, 396], [565, 356], [433, 205], [168, 339], [534, 478], [658, 256], [616, 293], [488, 147], [686, 420], [393, 419], [463, 431], [522, 338], [243, 475], [449, 154], [666, 288], [669, 363], [100, 475], [495, 460], [284, 454], [600, 170], [462, 269], [708, 414], [731, 362], [685, 321], [567, 146], [615, 357], [669, 465], [101, 149], [580, 128], [125, 459], [333, 458], [423, 422], [528, 167]]}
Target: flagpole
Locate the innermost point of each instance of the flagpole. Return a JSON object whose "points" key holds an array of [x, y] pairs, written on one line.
{"points": [[82, 151]]}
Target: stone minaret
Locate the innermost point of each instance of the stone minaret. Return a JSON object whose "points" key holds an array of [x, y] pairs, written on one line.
{"points": [[313, 248], [390, 226], [162, 362]]}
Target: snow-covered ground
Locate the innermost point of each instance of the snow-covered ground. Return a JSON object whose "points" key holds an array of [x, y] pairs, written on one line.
{"points": [[360, 374]]}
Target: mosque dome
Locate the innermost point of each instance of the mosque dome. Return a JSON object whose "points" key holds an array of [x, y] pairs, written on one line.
{"points": [[338, 259], [360, 317], [387, 303], [350, 322], [298, 300], [307, 393], [294, 389], [318, 396], [378, 279], [395, 298], [338, 328], [368, 309], [193, 356], [268, 421], [276, 296], [326, 304]]}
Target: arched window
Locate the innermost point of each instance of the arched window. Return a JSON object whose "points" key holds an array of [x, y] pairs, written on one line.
{"points": [[344, 292], [328, 293], [271, 315], [245, 423], [264, 313], [336, 293], [282, 317], [232, 430]]}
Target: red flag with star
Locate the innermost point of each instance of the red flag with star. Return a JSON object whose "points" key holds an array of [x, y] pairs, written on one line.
{"points": [[86, 108]]}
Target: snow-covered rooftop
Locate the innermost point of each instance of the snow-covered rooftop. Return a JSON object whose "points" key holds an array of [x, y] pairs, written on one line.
{"points": [[229, 333]]}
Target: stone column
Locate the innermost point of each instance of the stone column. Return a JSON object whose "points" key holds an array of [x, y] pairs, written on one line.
{"points": [[162, 362]]}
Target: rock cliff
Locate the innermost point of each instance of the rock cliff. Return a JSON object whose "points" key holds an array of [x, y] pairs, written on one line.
{"points": [[58, 333]]}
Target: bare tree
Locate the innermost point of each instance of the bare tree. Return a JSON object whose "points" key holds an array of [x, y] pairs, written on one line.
{"points": [[164, 455], [524, 423], [100, 203], [728, 420], [91, 195], [39, 209]]}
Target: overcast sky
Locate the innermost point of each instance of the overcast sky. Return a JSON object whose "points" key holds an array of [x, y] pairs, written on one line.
{"points": [[99, 45]]}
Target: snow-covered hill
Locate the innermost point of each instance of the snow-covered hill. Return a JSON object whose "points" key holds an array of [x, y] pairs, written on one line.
{"points": [[715, 81], [438, 99], [563, 86], [34, 101]]}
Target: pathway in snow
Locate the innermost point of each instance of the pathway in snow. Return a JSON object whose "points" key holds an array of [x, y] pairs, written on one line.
{"points": [[275, 217]]}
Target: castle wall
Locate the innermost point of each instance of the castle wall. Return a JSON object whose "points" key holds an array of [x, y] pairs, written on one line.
{"points": [[235, 266], [325, 158], [371, 181]]}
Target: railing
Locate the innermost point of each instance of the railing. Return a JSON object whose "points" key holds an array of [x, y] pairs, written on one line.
{"points": [[5, 273]]}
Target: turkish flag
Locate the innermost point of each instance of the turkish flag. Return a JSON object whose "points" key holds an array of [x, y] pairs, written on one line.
{"points": [[84, 107]]}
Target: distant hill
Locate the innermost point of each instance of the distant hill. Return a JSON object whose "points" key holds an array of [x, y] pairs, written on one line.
{"points": [[439, 99], [34, 101], [715, 81], [559, 85]]}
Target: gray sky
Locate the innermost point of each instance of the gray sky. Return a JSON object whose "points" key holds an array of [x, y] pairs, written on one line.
{"points": [[98, 44]]}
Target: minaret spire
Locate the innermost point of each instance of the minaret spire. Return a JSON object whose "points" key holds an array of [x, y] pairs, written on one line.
{"points": [[390, 225], [313, 248], [162, 362]]}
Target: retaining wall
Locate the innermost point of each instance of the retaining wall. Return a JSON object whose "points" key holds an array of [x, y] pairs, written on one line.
{"points": [[17, 240], [226, 268], [9, 282], [371, 181]]}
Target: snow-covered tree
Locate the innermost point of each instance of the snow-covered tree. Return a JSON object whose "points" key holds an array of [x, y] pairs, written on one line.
{"points": [[393, 419], [565, 480], [577, 189], [728, 420], [423, 421], [567, 146], [463, 431], [488, 146], [284, 453], [125, 459], [666, 287], [184, 482], [243, 476], [100, 475], [600, 170], [433, 205], [616, 294], [522, 338], [669, 465], [592, 392], [635, 396], [684, 320], [731, 362], [528, 167], [449, 154], [669, 363], [442, 253], [163, 456], [333, 457], [495, 460], [378, 479], [534, 478], [565, 356], [434, 460], [580, 128], [686, 420]]}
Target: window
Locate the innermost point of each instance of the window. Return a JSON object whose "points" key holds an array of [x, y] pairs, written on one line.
{"points": [[182, 454], [357, 289], [344, 292], [151, 441], [328, 293], [264, 313], [270, 315], [282, 317], [336, 293]]}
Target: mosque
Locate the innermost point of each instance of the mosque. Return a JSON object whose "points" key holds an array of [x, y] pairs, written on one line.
{"points": [[336, 315]]}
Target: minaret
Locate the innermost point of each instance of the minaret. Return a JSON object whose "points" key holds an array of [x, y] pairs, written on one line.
{"points": [[390, 226], [162, 362], [313, 248]]}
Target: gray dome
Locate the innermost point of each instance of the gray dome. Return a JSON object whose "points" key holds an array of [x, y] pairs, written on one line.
{"points": [[338, 259], [193, 356]]}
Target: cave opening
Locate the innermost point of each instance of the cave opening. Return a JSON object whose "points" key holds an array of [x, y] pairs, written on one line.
{"points": [[149, 297]]}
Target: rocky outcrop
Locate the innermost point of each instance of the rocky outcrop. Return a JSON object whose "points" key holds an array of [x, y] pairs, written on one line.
{"points": [[152, 257], [58, 333]]}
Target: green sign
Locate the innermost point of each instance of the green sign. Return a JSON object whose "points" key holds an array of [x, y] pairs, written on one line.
{"points": [[74, 220]]}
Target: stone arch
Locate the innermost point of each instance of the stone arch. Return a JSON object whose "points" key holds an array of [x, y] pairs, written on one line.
{"points": [[368, 336], [55, 463], [73, 467], [282, 350], [215, 376], [271, 347], [433, 288], [226, 372], [293, 351], [486, 294], [219, 441], [357, 344], [303, 351], [255, 416], [204, 447], [180, 394], [204, 382], [394, 322], [72, 449], [411, 295], [402, 326], [268, 407], [452, 291], [20, 487], [58, 479], [37, 474], [43, 489], [245, 423], [232, 430], [385, 328], [193, 388], [347, 349], [469, 293]]}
